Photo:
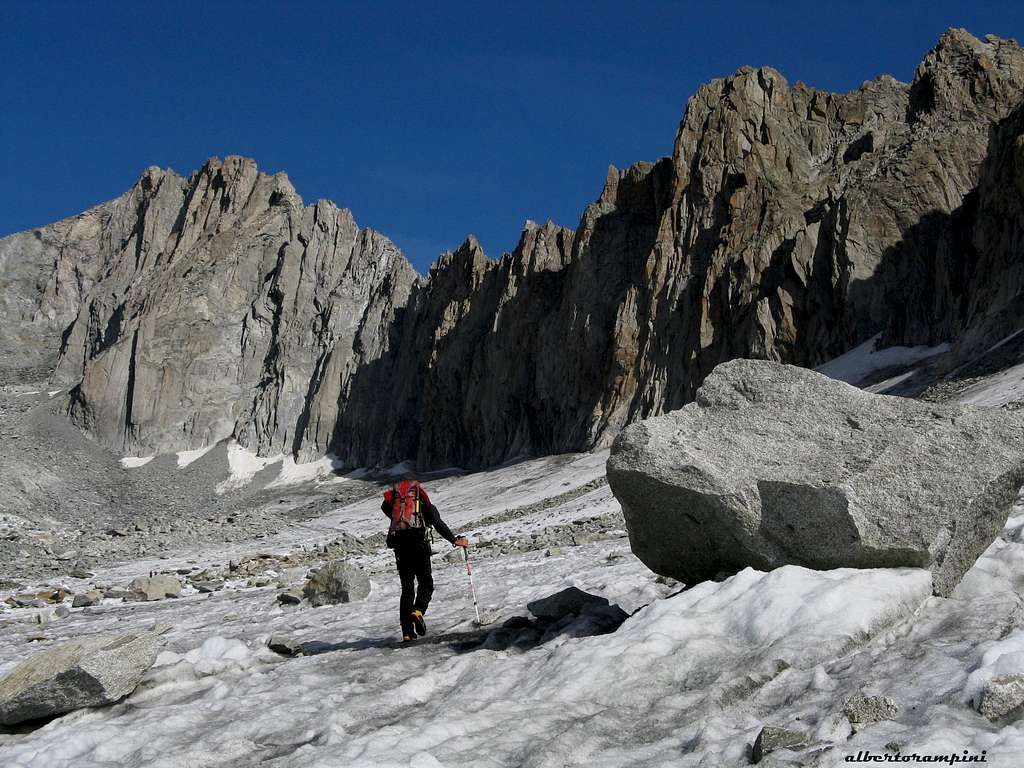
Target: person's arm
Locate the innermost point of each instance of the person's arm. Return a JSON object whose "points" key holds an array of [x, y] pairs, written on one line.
{"points": [[434, 518], [385, 505]]}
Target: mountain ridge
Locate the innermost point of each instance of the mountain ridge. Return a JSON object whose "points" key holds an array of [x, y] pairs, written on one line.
{"points": [[789, 223]]}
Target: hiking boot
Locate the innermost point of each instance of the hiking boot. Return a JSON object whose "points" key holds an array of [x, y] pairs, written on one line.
{"points": [[418, 623], [407, 638]]}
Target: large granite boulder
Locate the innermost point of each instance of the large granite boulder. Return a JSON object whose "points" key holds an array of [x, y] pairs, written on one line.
{"points": [[337, 582], [89, 672], [776, 465]]}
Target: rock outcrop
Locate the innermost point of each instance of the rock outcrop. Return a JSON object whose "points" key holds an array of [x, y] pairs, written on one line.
{"points": [[789, 224], [89, 672], [776, 465]]}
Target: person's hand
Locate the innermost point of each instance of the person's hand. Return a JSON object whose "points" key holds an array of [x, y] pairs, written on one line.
{"points": [[461, 541]]}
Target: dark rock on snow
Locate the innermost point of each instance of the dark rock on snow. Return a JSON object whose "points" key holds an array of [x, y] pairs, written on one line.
{"points": [[772, 738], [285, 645], [570, 600]]}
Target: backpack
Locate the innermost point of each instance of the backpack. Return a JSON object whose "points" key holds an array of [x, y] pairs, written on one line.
{"points": [[406, 514]]}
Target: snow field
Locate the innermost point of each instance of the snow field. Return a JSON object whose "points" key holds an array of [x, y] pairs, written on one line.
{"points": [[688, 680]]}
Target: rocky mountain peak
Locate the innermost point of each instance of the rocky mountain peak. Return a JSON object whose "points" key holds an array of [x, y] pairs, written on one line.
{"points": [[789, 224], [541, 248], [962, 73], [461, 269]]}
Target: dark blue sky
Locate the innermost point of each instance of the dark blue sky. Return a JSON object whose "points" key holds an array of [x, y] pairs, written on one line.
{"points": [[428, 122]]}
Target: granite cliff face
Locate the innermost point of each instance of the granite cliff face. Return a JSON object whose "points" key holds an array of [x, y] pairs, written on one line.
{"points": [[789, 224], [187, 311]]}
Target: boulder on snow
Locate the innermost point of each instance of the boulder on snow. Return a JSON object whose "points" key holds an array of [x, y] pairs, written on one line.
{"points": [[772, 738], [1001, 696], [775, 465], [155, 587], [569, 601], [291, 596], [284, 645], [85, 599], [337, 582], [89, 672], [863, 710]]}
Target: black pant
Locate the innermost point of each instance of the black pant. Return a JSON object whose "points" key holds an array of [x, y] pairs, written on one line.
{"points": [[412, 555]]}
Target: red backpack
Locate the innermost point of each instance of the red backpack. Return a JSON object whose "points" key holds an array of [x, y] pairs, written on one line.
{"points": [[405, 507]]}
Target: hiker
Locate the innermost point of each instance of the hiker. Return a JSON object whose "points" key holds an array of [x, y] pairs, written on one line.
{"points": [[410, 511]]}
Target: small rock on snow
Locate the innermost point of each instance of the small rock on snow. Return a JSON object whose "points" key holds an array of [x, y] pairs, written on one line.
{"points": [[863, 710], [1002, 695], [772, 738]]}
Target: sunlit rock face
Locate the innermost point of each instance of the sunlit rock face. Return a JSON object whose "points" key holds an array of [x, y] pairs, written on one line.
{"points": [[789, 224]]}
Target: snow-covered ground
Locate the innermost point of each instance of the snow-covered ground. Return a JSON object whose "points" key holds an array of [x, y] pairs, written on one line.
{"points": [[862, 361], [688, 680], [1001, 388]]}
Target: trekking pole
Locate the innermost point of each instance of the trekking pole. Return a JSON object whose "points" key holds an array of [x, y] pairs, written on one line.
{"points": [[469, 570]]}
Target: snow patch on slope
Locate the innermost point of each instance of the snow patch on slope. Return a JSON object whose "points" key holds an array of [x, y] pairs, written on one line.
{"points": [[131, 462], [327, 469], [187, 457], [860, 362], [998, 389], [244, 465]]}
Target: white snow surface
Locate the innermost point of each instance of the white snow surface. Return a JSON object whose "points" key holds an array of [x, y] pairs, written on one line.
{"points": [[130, 462], [688, 680], [187, 457], [861, 361], [998, 389], [244, 465], [327, 469]]}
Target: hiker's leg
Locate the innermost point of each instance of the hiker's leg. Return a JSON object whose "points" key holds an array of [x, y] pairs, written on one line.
{"points": [[407, 573], [426, 580]]}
